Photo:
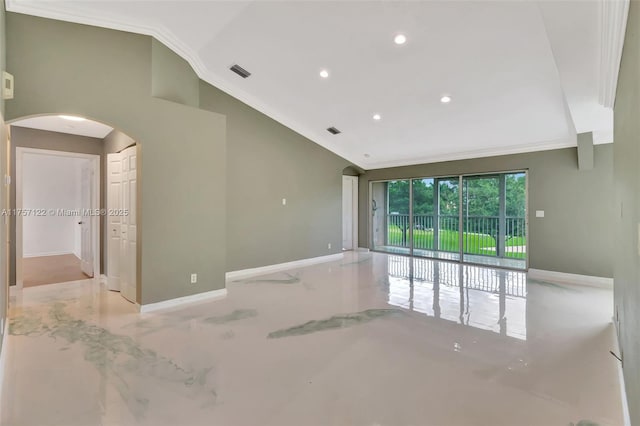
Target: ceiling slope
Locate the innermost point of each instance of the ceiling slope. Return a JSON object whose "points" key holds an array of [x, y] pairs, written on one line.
{"points": [[522, 75]]}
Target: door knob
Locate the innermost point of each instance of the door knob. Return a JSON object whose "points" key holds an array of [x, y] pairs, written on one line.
{"points": [[79, 223]]}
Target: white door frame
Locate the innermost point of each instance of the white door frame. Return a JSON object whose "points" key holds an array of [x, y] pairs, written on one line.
{"points": [[95, 205], [354, 210]]}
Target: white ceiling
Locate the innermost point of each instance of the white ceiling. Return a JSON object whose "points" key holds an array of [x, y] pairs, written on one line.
{"points": [[523, 75], [55, 123]]}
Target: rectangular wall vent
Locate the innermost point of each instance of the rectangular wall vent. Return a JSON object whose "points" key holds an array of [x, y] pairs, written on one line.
{"points": [[333, 130], [240, 71]]}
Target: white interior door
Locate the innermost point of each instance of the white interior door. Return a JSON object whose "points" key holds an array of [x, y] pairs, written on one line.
{"points": [[349, 212], [114, 219], [128, 224], [86, 240]]}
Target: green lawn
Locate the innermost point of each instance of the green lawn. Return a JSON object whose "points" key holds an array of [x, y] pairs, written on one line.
{"points": [[472, 243]]}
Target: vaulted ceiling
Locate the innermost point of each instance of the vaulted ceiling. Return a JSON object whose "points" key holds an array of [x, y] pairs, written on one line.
{"points": [[521, 75]]}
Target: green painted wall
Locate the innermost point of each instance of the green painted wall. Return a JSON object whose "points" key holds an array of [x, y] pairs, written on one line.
{"points": [[573, 237], [626, 164], [172, 77], [106, 75], [267, 162]]}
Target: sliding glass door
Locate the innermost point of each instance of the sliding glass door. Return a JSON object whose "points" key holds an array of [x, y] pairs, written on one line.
{"points": [[390, 206], [447, 233], [481, 217], [423, 217], [436, 217], [477, 219], [494, 219]]}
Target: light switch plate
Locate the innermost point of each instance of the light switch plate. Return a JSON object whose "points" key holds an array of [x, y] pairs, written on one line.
{"points": [[284, 201], [539, 213]]}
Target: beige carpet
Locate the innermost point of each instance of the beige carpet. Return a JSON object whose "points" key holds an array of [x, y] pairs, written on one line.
{"points": [[50, 270]]}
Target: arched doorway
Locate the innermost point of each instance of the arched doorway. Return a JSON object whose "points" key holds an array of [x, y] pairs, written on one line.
{"points": [[71, 218]]}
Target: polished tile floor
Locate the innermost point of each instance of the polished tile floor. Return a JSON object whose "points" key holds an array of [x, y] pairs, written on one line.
{"points": [[373, 339]]}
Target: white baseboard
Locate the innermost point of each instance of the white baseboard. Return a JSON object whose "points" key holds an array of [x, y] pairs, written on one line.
{"points": [[565, 278], [3, 355], [50, 253], [363, 249], [262, 270], [623, 390], [172, 303]]}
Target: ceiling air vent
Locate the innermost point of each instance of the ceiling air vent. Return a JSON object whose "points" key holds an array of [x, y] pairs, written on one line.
{"points": [[333, 130], [240, 71]]}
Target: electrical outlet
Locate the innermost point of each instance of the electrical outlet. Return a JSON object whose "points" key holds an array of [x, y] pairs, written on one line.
{"points": [[194, 278], [329, 246], [284, 201]]}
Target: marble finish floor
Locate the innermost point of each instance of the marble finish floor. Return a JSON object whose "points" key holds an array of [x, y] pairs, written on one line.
{"points": [[373, 339]]}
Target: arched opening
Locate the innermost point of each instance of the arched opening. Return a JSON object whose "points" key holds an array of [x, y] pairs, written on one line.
{"points": [[74, 210]]}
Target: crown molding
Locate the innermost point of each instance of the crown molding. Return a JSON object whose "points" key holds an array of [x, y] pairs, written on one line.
{"points": [[613, 21], [478, 153]]}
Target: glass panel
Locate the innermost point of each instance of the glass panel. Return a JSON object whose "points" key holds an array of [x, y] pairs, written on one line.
{"points": [[494, 219], [516, 213], [423, 216], [390, 212], [481, 215], [447, 235]]}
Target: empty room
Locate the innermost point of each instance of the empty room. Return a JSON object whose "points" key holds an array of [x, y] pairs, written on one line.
{"points": [[315, 213]]}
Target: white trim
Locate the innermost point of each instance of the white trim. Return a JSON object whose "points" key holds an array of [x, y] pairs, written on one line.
{"points": [[103, 279], [494, 151], [95, 204], [613, 18], [354, 183], [363, 249], [623, 390], [566, 278], [3, 354], [51, 253], [172, 303], [355, 211], [262, 270]]}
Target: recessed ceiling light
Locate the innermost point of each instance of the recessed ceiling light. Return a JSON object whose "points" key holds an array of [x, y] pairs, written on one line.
{"points": [[377, 117], [72, 118], [400, 39], [324, 74], [445, 99]]}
